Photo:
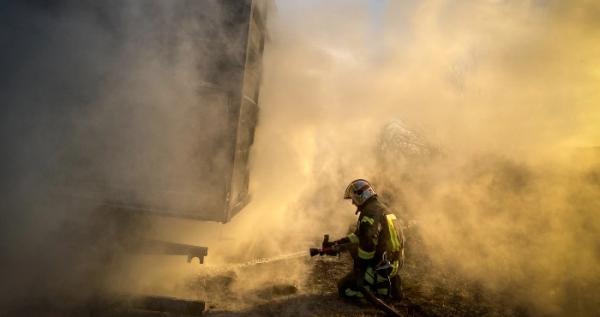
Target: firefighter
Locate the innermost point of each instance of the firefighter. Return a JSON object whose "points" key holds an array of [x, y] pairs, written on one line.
{"points": [[379, 243]]}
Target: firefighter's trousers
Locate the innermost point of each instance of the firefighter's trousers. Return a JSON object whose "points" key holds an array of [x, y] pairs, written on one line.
{"points": [[381, 286]]}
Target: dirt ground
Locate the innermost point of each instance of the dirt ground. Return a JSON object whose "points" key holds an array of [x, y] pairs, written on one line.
{"points": [[305, 286]]}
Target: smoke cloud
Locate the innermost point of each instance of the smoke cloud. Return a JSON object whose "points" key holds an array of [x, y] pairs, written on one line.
{"points": [[499, 94], [499, 98]]}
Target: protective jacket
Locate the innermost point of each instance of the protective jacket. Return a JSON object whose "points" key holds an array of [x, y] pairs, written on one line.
{"points": [[377, 233]]}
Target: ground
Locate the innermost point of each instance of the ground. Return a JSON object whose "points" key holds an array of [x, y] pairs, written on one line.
{"points": [[305, 286]]}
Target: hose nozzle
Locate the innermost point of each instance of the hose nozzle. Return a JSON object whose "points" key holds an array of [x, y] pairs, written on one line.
{"points": [[314, 251]]}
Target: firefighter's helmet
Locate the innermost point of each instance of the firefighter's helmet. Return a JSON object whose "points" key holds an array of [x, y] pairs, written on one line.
{"points": [[359, 191]]}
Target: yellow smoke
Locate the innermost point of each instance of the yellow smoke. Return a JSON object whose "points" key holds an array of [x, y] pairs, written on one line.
{"points": [[507, 90]]}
